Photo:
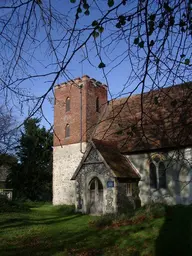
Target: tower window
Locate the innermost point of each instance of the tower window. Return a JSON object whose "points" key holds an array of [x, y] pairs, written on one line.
{"points": [[67, 131], [67, 104], [97, 104]]}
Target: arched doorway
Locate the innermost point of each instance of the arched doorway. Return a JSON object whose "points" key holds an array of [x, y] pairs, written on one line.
{"points": [[96, 196]]}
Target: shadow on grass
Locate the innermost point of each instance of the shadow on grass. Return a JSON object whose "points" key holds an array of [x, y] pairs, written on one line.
{"points": [[51, 215], [67, 242], [49, 230], [175, 236], [26, 222], [64, 240]]}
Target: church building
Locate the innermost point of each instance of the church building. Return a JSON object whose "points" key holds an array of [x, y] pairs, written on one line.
{"points": [[110, 156]]}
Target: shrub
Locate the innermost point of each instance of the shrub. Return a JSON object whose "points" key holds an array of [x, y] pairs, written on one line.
{"points": [[102, 221], [11, 206], [65, 209], [151, 211], [145, 213]]}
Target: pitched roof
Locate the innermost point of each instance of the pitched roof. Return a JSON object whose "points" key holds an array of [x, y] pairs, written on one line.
{"points": [[118, 163], [120, 166], [155, 120]]}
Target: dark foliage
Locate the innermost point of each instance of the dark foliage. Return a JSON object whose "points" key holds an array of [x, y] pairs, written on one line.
{"points": [[11, 206], [31, 178]]}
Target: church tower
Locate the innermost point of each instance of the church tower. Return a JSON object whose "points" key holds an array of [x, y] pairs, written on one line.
{"points": [[78, 104]]}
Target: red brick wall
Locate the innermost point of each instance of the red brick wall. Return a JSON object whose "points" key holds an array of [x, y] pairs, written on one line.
{"points": [[90, 92], [92, 116]]}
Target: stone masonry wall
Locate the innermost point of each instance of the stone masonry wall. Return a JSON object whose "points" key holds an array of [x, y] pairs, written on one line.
{"points": [[178, 177], [126, 203], [86, 174], [65, 161]]}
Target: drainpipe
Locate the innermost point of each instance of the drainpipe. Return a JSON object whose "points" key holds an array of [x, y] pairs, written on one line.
{"points": [[81, 117]]}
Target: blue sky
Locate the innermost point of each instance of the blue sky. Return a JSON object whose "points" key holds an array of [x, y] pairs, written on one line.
{"points": [[41, 59], [77, 68]]}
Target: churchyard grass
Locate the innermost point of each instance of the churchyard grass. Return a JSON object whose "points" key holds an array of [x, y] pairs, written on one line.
{"points": [[56, 230]]}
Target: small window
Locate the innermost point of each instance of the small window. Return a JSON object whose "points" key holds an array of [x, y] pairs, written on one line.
{"points": [[67, 131], [97, 104], [153, 176], [92, 187], [129, 189], [96, 184], [162, 175], [67, 104]]}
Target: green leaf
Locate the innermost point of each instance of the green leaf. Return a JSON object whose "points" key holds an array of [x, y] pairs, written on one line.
{"points": [[118, 25], [171, 21], [122, 19], [136, 41], [141, 44], [130, 133], [161, 23], [79, 10], [124, 2], [94, 23], [110, 3], [182, 56], [157, 60], [182, 23], [101, 65], [87, 12], [167, 7], [151, 27], [152, 43], [72, 1], [100, 29], [95, 34], [187, 61], [151, 24], [120, 132], [152, 17], [86, 6]]}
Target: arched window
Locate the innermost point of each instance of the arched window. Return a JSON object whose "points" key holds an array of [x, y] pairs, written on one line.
{"points": [[67, 131], [153, 176], [97, 104], [67, 104], [96, 184], [157, 174], [162, 175]]}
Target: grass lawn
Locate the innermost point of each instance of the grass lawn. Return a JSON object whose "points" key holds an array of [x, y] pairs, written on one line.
{"points": [[49, 230]]}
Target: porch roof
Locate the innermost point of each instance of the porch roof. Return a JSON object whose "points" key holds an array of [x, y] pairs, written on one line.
{"points": [[120, 166], [118, 163]]}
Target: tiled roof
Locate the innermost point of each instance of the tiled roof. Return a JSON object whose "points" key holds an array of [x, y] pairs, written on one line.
{"points": [[155, 120], [119, 164]]}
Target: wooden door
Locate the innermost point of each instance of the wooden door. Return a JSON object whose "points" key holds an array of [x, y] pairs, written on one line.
{"points": [[96, 196]]}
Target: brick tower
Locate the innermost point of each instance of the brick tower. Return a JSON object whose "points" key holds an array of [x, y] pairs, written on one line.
{"points": [[78, 104]]}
